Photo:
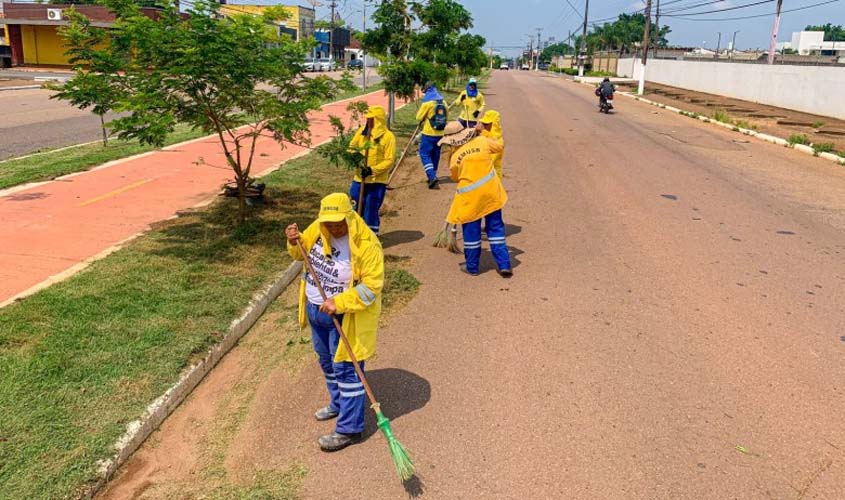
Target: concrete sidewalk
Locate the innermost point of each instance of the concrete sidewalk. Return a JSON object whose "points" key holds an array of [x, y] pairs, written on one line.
{"points": [[52, 230]]}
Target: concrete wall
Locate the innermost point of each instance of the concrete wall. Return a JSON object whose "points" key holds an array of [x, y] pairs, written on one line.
{"points": [[811, 89]]}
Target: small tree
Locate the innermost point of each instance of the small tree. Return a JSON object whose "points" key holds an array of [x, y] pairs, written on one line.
{"points": [[337, 151], [234, 77]]}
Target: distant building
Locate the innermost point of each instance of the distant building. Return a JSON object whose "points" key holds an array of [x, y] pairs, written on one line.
{"points": [[340, 39], [299, 24], [32, 30], [811, 43]]}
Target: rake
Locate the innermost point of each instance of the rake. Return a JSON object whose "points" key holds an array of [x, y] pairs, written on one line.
{"points": [[401, 460]]}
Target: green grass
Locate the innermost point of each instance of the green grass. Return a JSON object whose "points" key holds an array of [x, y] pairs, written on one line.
{"points": [[818, 124], [720, 115], [745, 124], [824, 147], [798, 139], [82, 358], [48, 164]]}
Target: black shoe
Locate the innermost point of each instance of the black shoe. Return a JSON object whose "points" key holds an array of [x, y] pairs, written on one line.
{"points": [[433, 184], [464, 269], [505, 273], [337, 441], [325, 414]]}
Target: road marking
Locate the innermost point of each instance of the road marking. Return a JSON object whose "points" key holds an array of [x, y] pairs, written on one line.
{"points": [[115, 192]]}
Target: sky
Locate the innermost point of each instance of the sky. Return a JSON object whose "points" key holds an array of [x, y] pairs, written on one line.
{"points": [[507, 23]]}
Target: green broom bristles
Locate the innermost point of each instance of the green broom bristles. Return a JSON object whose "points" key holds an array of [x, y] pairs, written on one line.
{"points": [[441, 238], [401, 460]]}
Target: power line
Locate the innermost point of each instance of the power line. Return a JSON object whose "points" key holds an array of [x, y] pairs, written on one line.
{"points": [[805, 7], [736, 7]]}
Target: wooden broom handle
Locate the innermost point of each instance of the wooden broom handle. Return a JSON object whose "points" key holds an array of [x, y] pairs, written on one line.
{"points": [[363, 183], [337, 325]]}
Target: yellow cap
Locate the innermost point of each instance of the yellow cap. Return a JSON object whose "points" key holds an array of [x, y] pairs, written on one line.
{"points": [[334, 208], [489, 117]]}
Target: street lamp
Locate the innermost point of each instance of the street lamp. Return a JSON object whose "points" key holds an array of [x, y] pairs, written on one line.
{"points": [[733, 44]]}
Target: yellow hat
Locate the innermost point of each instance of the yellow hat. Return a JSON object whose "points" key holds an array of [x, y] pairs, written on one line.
{"points": [[334, 208], [489, 117]]}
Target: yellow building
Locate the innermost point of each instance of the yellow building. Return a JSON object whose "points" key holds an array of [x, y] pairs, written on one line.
{"points": [[32, 30], [299, 24]]}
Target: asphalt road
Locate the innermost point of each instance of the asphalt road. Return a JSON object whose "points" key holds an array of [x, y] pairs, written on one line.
{"points": [[675, 328], [32, 121]]}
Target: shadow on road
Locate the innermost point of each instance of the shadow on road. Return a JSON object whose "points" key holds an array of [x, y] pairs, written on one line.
{"points": [[394, 238], [400, 392]]}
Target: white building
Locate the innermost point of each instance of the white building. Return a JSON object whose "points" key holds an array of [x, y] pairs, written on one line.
{"points": [[811, 43]]}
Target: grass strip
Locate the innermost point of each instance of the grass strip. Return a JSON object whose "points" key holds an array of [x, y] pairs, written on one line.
{"points": [[48, 165], [82, 358]]}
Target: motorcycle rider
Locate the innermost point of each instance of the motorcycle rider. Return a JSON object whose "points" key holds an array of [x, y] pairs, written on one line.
{"points": [[605, 90]]}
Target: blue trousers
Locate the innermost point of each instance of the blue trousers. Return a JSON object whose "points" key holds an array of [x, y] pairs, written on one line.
{"points": [[430, 155], [467, 124], [495, 228], [373, 198], [346, 392]]}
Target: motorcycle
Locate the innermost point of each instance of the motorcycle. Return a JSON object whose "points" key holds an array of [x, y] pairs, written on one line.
{"points": [[605, 103]]}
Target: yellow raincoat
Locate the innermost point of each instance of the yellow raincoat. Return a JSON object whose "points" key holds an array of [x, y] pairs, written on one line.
{"points": [[382, 149], [361, 303], [480, 191], [469, 105], [425, 114], [495, 133]]}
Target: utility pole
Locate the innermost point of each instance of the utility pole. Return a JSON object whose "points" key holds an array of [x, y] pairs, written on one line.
{"points": [[657, 28], [582, 55], [733, 44], [718, 46], [537, 62], [774, 41], [646, 40], [364, 52], [331, 32]]}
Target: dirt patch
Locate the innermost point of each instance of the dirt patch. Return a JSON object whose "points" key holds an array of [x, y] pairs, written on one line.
{"points": [[6, 82], [770, 120]]}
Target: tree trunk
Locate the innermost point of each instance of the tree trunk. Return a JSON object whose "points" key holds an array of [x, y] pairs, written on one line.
{"points": [[105, 134], [239, 178]]}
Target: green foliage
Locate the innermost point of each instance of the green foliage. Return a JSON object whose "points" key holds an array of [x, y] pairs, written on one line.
{"points": [[234, 77], [798, 139], [745, 124], [720, 115], [413, 57], [824, 147], [337, 151], [623, 34], [832, 33], [818, 124], [557, 49]]}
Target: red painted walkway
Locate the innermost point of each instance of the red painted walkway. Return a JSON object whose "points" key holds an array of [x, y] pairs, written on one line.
{"points": [[48, 230]]}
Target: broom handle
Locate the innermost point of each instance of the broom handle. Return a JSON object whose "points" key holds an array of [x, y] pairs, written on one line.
{"points": [[339, 327], [404, 152], [361, 192]]}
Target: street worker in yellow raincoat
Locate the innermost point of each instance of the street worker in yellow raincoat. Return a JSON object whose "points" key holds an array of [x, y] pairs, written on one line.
{"points": [[349, 263], [480, 195], [494, 131], [380, 157], [471, 103]]}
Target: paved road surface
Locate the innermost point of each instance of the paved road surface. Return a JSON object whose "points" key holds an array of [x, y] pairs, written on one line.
{"points": [[675, 328], [32, 121]]}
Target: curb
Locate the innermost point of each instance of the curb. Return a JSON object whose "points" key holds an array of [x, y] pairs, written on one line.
{"points": [[759, 135], [20, 87], [139, 430]]}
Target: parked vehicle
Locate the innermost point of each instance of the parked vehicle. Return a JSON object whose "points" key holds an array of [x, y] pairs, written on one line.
{"points": [[326, 65], [309, 64], [525, 67], [543, 66], [505, 66], [355, 64]]}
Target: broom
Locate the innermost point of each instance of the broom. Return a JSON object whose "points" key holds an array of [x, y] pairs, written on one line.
{"points": [[361, 192], [448, 238], [401, 460]]}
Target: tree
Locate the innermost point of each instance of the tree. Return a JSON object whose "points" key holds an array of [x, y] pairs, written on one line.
{"points": [[831, 33], [413, 57], [234, 77], [623, 34], [557, 49]]}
